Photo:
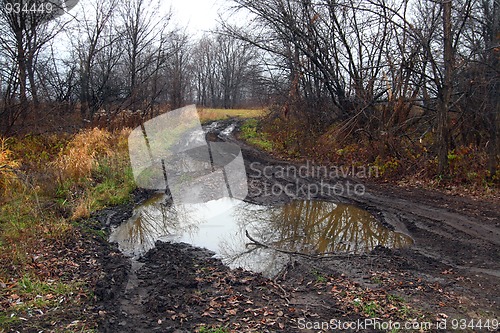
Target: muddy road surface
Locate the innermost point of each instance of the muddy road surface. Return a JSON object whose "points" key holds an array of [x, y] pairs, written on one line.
{"points": [[448, 278]]}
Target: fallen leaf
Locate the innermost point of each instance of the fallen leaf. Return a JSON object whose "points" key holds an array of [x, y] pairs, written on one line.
{"points": [[232, 312]]}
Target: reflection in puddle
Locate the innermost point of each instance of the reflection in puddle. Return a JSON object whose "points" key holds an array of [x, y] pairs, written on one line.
{"points": [[219, 225]]}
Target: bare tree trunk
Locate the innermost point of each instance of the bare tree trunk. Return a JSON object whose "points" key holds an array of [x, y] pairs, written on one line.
{"points": [[21, 63], [494, 41], [445, 98]]}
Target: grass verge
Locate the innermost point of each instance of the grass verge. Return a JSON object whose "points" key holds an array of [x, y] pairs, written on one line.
{"points": [[404, 162], [48, 183], [251, 134]]}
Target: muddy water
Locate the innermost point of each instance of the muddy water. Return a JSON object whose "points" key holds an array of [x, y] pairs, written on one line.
{"points": [[220, 226]]}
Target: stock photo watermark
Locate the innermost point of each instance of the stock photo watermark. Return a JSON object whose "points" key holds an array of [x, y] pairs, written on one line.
{"points": [[45, 9], [445, 324], [171, 153], [309, 180]]}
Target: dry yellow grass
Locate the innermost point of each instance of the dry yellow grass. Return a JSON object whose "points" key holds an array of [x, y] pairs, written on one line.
{"points": [[35, 215], [105, 155], [8, 177], [83, 208], [208, 114], [81, 155]]}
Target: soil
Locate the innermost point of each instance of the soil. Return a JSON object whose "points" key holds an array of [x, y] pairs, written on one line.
{"points": [[452, 272]]}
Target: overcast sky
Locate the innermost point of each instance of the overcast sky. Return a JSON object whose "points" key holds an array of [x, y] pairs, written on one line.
{"points": [[196, 15]]}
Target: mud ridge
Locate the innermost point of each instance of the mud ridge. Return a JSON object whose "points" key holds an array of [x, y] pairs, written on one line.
{"points": [[451, 270]]}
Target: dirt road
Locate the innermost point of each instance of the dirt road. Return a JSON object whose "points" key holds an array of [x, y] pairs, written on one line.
{"points": [[449, 277]]}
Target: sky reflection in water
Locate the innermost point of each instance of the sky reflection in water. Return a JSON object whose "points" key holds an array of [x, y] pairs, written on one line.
{"points": [[219, 225]]}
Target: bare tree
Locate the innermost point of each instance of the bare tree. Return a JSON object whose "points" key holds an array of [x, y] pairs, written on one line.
{"points": [[479, 80], [177, 69], [94, 40], [144, 38], [443, 136], [23, 35], [226, 70], [447, 55], [377, 64], [203, 70], [332, 50]]}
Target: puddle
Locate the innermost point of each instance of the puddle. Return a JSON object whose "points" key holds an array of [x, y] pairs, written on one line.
{"points": [[227, 131], [220, 225]]}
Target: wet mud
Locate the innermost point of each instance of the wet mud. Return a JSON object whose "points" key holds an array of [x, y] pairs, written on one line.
{"points": [[451, 271]]}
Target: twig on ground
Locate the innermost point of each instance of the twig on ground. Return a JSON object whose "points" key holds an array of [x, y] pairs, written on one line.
{"points": [[325, 255]]}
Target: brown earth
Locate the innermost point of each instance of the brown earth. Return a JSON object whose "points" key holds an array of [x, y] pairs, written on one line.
{"points": [[449, 276], [451, 273]]}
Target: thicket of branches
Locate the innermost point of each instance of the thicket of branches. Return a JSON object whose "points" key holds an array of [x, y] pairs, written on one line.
{"points": [[105, 56], [382, 70], [386, 70]]}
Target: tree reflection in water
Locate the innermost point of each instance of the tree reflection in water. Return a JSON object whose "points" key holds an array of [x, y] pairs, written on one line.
{"points": [[152, 221], [313, 227]]}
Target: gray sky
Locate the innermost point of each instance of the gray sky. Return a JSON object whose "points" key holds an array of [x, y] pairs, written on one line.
{"points": [[196, 15]]}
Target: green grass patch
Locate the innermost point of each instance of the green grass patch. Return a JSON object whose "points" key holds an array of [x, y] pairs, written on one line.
{"points": [[32, 293], [59, 179], [117, 182], [204, 329], [391, 298], [24, 221], [251, 134], [371, 309], [320, 278], [113, 188], [7, 320]]}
